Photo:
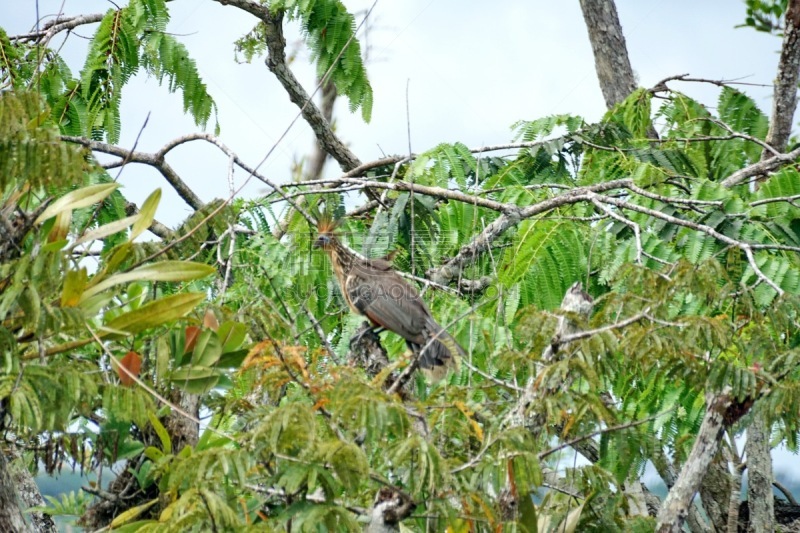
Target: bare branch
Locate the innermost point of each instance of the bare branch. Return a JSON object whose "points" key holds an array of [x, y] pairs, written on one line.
{"points": [[762, 167], [57, 25], [618, 427], [276, 63], [661, 86], [154, 160], [512, 216], [746, 247]]}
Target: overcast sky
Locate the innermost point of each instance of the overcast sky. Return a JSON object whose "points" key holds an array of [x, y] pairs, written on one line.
{"points": [[472, 71]]}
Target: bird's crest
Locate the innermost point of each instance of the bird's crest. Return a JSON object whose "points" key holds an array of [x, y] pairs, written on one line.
{"points": [[326, 224]]}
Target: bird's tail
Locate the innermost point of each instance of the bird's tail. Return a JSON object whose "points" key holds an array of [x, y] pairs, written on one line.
{"points": [[439, 353]]}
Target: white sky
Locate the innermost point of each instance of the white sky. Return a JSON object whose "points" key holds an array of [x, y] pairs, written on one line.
{"points": [[473, 70]]}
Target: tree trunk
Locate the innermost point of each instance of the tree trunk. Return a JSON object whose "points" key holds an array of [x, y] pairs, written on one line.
{"points": [[760, 499], [784, 103], [715, 491], [30, 495], [784, 98], [11, 517], [610, 52], [675, 509]]}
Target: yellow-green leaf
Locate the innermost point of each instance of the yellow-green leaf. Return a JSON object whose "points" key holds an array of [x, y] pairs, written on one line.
{"points": [[156, 313], [146, 214], [153, 453], [232, 335], [162, 358], [207, 349], [196, 379], [83, 197], [161, 271], [161, 431], [74, 283], [107, 229], [132, 513], [60, 228]]}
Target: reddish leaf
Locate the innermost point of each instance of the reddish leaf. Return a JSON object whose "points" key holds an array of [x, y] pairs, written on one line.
{"points": [[191, 337], [132, 362], [210, 321]]}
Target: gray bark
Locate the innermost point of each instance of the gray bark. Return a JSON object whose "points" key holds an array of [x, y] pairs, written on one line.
{"points": [[736, 486], [30, 496], [610, 52], [759, 475], [11, 517], [666, 470], [391, 507], [715, 492], [784, 99], [760, 499], [316, 163], [721, 412]]}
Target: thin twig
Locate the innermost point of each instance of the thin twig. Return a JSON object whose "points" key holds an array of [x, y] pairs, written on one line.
{"points": [[593, 434]]}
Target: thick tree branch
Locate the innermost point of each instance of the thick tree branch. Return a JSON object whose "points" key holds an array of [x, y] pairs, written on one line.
{"points": [[276, 63], [154, 160], [721, 413], [762, 167], [610, 52]]}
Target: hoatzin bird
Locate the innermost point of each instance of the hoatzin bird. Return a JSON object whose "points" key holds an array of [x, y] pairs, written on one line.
{"points": [[374, 290]]}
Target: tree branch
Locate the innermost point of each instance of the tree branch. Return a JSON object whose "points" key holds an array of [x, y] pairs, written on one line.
{"points": [[762, 167], [721, 413], [59, 24], [154, 160], [276, 63]]}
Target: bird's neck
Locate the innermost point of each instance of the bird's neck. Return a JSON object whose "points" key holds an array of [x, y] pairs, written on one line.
{"points": [[341, 258]]}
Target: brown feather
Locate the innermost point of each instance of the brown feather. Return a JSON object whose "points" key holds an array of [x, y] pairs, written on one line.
{"points": [[372, 289]]}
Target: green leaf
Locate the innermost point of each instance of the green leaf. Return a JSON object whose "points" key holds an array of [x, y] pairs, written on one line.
{"points": [[156, 313], [207, 349], [232, 359], [106, 230], [232, 335], [161, 431], [196, 379], [161, 271], [146, 214], [77, 199]]}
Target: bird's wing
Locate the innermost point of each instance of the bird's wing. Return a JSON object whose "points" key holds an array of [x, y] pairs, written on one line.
{"points": [[388, 300]]}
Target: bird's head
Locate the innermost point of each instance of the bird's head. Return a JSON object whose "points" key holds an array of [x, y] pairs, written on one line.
{"points": [[325, 233]]}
